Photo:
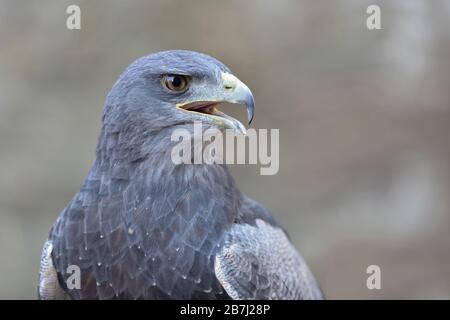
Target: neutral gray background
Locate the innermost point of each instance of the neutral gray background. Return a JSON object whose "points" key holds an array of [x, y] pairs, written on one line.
{"points": [[364, 119]]}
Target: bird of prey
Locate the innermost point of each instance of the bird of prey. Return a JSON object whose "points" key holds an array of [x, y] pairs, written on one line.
{"points": [[143, 227]]}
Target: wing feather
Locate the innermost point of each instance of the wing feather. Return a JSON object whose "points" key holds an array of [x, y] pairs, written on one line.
{"points": [[259, 262]]}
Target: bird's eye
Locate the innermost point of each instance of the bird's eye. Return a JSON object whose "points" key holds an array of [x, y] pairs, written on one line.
{"points": [[176, 83]]}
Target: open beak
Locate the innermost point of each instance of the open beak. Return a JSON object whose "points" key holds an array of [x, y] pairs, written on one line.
{"points": [[230, 90]]}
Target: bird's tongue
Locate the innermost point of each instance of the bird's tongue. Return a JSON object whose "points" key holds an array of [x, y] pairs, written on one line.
{"points": [[210, 108]]}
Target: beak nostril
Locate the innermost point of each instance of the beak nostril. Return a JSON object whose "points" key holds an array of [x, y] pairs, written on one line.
{"points": [[228, 87]]}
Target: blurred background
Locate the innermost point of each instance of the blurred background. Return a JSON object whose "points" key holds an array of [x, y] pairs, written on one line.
{"points": [[364, 119]]}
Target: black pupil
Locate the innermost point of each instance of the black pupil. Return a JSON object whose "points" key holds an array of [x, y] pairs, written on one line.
{"points": [[176, 82]]}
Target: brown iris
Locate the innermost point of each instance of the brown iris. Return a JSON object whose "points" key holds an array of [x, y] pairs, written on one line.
{"points": [[176, 83]]}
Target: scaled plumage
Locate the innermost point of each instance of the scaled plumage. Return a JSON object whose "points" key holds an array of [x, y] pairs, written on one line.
{"points": [[142, 227]]}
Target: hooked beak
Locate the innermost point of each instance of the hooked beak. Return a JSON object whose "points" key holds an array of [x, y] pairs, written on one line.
{"points": [[230, 90], [240, 94]]}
